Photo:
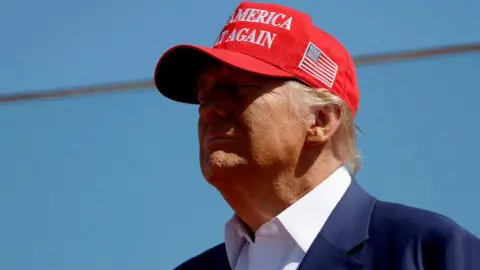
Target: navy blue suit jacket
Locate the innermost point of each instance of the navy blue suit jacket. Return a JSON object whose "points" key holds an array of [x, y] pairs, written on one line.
{"points": [[366, 233]]}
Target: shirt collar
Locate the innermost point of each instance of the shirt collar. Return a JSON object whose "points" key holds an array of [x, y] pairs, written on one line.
{"points": [[303, 220], [236, 234]]}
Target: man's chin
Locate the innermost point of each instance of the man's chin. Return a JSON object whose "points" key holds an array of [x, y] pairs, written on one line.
{"points": [[222, 159], [220, 164]]}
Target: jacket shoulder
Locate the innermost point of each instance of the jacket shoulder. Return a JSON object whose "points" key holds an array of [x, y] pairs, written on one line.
{"points": [[400, 233], [207, 259], [400, 219]]}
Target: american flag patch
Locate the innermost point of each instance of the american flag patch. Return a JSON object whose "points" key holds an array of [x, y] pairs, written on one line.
{"points": [[318, 65]]}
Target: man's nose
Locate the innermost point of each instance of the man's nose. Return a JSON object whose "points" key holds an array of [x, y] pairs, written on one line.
{"points": [[212, 110]]}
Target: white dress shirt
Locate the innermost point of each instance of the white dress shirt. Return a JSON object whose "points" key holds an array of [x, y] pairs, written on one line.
{"points": [[281, 243]]}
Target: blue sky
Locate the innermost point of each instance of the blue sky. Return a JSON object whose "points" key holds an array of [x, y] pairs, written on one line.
{"points": [[113, 181]]}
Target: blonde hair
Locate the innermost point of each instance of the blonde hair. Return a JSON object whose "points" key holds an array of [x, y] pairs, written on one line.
{"points": [[344, 143]]}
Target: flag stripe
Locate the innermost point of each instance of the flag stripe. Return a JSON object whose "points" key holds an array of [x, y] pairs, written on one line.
{"points": [[315, 71], [309, 69], [315, 67], [328, 64], [308, 63]]}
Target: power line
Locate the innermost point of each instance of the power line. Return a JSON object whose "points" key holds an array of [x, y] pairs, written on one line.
{"points": [[416, 54], [148, 83], [77, 91]]}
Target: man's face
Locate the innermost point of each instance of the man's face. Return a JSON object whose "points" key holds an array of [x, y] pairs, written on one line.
{"points": [[246, 124]]}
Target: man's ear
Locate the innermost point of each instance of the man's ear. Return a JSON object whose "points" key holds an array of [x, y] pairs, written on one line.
{"points": [[323, 125]]}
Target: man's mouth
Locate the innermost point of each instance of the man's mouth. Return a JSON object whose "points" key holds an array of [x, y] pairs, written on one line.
{"points": [[218, 138]]}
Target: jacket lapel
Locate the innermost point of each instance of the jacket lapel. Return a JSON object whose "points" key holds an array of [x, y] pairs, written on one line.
{"points": [[325, 256], [346, 228]]}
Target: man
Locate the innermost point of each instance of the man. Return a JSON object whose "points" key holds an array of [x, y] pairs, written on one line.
{"points": [[277, 100]]}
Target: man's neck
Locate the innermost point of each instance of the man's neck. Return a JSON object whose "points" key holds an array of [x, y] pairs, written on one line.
{"points": [[259, 199]]}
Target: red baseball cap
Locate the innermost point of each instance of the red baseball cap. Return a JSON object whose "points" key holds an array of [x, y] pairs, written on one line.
{"points": [[266, 39]]}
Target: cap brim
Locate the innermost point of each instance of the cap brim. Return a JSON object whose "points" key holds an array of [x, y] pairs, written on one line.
{"points": [[178, 69]]}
